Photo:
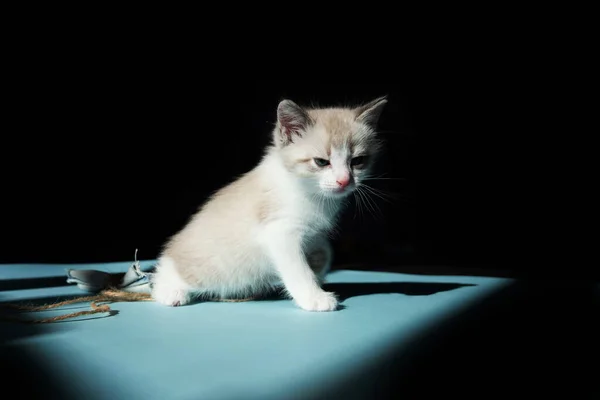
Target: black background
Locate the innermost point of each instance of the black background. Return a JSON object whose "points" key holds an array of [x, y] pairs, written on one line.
{"points": [[97, 165], [101, 155]]}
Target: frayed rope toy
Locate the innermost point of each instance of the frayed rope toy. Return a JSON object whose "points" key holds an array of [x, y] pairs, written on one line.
{"points": [[134, 286]]}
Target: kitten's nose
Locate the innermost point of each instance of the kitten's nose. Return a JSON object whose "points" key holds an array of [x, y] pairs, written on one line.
{"points": [[343, 181]]}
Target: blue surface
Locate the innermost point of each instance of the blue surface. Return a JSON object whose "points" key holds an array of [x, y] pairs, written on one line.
{"points": [[253, 350]]}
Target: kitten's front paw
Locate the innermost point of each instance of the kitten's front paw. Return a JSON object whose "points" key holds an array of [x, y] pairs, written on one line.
{"points": [[172, 298], [320, 301]]}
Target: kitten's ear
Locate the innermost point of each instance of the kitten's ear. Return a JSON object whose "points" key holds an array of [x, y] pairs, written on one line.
{"points": [[292, 120], [369, 113]]}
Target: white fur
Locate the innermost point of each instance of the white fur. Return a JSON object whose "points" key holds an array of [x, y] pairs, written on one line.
{"points": [[259, 232], [266, 255], [167, 285]]}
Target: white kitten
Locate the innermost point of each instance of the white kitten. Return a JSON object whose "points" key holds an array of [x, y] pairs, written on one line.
{"points": [[269, 228]]}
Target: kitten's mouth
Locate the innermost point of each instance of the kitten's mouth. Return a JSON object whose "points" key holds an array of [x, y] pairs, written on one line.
{"points": [[340, 192]]}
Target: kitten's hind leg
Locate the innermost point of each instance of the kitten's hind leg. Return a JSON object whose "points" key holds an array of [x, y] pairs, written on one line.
{"points": [[319, 256], [168, 287]]}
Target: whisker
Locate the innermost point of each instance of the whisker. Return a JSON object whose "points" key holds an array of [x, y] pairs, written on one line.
{"points": [[382, 195], [359, 206], [321, 201], [376, 207], [392, 132], [368, 204], [382, 177], [385, 179], [371, 206], [378, 195]]}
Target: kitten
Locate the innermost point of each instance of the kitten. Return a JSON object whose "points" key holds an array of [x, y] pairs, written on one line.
{"points": [[269, 228]]}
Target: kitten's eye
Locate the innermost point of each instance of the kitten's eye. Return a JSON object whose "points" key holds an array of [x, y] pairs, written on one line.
{"points": [[321, 162], [358, 161]]}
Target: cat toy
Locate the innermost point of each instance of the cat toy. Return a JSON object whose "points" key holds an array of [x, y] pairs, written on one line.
{"points": [[134, 285]]}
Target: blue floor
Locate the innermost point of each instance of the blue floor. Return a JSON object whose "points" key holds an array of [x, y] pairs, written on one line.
{"points": [[255, 350]]}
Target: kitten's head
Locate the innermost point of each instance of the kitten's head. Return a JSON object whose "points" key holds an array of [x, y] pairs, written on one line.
{"points": [[331, 149]]}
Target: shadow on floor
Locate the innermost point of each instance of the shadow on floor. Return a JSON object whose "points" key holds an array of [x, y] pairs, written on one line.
{"points": [[33, 283], [346, 290], [19, 364], [533, 338]]}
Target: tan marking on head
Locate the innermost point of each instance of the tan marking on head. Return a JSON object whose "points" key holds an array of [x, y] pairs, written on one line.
{"points": [[338, 123], [331, 129]]}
